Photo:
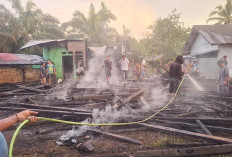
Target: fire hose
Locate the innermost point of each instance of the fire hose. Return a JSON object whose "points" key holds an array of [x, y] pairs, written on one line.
{"points": [[93, 124]]}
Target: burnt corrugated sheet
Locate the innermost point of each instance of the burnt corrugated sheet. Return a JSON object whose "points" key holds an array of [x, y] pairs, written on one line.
{"points": [[19, 59]]}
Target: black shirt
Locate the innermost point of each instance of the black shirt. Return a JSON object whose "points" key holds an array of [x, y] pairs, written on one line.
{"points": [[43, 71], [108, 65], [176, 71]]}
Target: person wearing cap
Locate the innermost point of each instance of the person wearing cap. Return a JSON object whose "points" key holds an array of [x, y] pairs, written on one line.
{"points": [[223, 78], [43, 74], [108, 68], [10, 121], [225, 60], [124, 62]]}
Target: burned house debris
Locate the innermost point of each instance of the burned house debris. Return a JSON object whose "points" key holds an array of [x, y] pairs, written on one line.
{"points": [[195, 123]]}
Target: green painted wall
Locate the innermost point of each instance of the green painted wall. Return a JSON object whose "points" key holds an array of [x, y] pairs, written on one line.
{"points": [[55, 55]]}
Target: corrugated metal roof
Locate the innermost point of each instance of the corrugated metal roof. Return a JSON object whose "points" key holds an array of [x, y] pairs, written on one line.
{"points": [[44, 41], [214, 34], [9, 57], [19, 59]]}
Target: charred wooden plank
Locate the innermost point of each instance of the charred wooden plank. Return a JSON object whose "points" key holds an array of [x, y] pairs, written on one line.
{"points": [[203, 127], [208, 121], [188, 125], [192, 151], [31, 89], [134, 95], [97, 97], [215, 139], [48, 111], [48, 107], [115, 136]]}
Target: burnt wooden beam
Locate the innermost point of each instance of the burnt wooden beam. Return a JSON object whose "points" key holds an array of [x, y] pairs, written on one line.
{"points": [[136, 94], [97, 97], [192, 151], [48, 111], [210, 138], [208, 121], [191, 126], [122, 101], [203, 127], [117, 137], [31, 89], [48, 107], [17, 90]]}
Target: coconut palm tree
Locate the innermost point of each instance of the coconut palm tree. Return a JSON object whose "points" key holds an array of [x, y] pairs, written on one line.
{"points": [[95, 27], [222, 15], [25, 23]]}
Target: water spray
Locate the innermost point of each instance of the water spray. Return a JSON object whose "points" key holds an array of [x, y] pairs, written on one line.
{"points": [[195, 83]]}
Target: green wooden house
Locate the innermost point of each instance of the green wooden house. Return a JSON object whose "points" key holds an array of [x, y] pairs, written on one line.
{"points": [[65, 54]]}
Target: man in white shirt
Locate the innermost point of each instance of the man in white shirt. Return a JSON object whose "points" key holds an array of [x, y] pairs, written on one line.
{"points": [[124, 62], [143, 68]]}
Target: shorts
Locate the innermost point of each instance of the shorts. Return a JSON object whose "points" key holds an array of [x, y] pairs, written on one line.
{"points": [[3, 146], [51, 76], [124, 74], [223, 90], [174, 84], [108, 73]]}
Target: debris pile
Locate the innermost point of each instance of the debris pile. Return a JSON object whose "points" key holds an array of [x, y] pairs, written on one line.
{"points": [[195, 123]]}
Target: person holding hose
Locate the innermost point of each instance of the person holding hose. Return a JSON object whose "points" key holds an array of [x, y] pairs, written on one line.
{"points": [[10, 121], [175, 74]]}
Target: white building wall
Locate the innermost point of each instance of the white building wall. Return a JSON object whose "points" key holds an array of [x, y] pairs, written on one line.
{"points": [[226, 50], [208, 68], [201, 45]]}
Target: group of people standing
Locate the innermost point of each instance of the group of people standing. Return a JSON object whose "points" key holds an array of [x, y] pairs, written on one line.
{"points": [[47, 72], [192, 69], [139, 69], [177, 71]]}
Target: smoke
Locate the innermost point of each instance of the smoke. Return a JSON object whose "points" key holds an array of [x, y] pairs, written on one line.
{"points": [[95, 76], [108, 115]]}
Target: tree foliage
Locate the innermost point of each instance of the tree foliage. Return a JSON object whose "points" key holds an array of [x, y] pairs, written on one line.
{"points": [[95, 27], [222, 15], [167, 37], [21, 24]]}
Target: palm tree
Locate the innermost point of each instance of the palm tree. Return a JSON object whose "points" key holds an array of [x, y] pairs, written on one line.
{"points": [[223, 15], [95, 27], [23, 24]]}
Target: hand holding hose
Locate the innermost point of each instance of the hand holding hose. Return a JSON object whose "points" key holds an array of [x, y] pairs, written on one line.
{"points": [[27, 114]]}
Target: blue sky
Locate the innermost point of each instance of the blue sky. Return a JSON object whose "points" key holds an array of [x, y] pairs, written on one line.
{"points": [[135, 14]]}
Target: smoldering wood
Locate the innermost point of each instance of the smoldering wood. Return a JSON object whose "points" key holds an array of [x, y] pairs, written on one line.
{"points": [[49, 107], [192, 125], [203, 127], [210, 138], [48, 111], [115, 136], [192, 151], [97, 97], [208, 121]]}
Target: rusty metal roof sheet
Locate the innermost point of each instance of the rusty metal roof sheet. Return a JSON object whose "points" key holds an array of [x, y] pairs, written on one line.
{"points": [[19, 59]]}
